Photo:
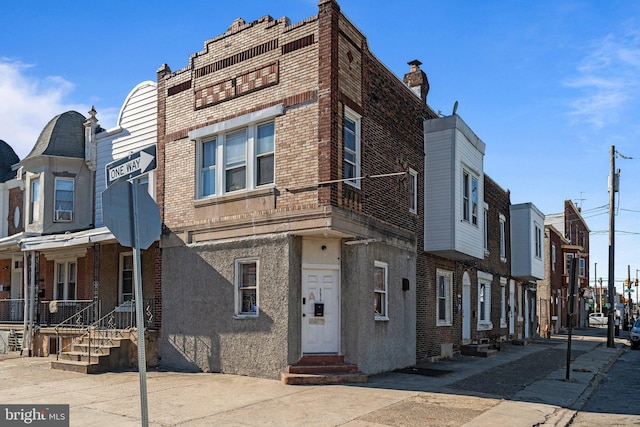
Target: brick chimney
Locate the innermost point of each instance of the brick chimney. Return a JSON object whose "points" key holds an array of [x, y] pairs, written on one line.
{"points": [[416, 79]]}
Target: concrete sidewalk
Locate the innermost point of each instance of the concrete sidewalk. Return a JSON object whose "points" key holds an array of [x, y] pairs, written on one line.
{"points": [[391, 399]]}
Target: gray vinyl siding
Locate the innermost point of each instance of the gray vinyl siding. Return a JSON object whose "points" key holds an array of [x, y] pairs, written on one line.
{"points": [[450, 147], [524, 263]]}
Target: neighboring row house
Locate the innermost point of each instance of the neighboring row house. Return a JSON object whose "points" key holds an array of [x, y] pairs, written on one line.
{"points": [[567, 234], [314, 209]]}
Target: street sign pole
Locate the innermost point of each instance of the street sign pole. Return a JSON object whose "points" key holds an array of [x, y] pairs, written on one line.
{"points": [[142, 360]]}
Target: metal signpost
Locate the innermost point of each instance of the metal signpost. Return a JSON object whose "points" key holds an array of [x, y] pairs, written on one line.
{"points": [[123, 204]]}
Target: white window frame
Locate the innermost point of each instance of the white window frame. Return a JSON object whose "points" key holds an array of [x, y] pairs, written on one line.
{"points": [[503, 238], [239, 288], [63, 277], [34, 199], [470, 197], [537, 240], [553, 257], [248, 161], [567, 262], [354, 117], [381, 295], [121, 271], [519, 305], [484, 301], [63, 215], [444, 291], [581, 267], [503, 302], [485, 237], [413, 191]]}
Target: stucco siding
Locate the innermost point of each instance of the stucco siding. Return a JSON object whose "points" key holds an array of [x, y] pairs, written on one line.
{"points": [[200, 331]]}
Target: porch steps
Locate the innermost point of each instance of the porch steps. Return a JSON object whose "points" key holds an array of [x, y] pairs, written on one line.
{"points": [[480, 350], [322, 369], [107, 354]]}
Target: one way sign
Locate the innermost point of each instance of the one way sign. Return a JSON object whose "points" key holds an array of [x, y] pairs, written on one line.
{"points": [[135, 164]]}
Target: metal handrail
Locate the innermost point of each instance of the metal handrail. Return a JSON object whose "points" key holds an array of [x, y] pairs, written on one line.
{"points": [[111, 325], [76, 322]]}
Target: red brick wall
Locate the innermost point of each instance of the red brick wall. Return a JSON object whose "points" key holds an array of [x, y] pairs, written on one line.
{"points": [[499, 202], [15, 200]]}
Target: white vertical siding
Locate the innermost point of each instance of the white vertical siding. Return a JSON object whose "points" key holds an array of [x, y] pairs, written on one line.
{"points": [[451, 146], [137, 128]]}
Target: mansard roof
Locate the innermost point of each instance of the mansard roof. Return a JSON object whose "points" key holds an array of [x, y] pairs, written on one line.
{"points": [[63, 136], [8, 158]]}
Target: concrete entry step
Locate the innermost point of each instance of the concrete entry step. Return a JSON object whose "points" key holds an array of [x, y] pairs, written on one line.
{"points": [[480, 350], [322, 369]]}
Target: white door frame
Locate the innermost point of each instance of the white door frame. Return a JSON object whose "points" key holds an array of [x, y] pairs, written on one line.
{"points": [[512, 307], [466, 308], [307, 311]]}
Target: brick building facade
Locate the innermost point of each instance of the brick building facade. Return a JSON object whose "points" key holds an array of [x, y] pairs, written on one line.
{"points": [[304, 241]]}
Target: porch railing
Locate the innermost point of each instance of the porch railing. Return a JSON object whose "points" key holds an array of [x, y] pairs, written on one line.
{"points": [[11, 310], [102, 331], [59, 311]]}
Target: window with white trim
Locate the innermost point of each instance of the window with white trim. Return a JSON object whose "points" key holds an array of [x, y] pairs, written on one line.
{"points": [[34, 201], [242, 159], [444, 283], [351, 146], [538, 241], [582, 268], [63, 199], [484, 301], [413, 191], [485, 238], [246, 284], [503, 238], [125, 285], [503, 302], [66, 276], [380, 298], [567, 267], [469, 197], [553, 257]]}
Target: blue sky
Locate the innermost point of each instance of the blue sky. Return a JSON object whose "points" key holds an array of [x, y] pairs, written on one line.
{"points": [[549, 86]]}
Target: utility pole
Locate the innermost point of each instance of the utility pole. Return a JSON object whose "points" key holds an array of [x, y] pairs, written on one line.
{"points": [[613, 184]]}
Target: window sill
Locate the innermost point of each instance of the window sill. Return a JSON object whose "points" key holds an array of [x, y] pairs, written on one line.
{"points": [[381, 318], [485, 326], [245, 316], [235, 196], [440, 323]]}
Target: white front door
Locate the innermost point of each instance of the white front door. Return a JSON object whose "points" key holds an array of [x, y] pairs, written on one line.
{"points": [[466, 308], [320, 311], [512, 307]]}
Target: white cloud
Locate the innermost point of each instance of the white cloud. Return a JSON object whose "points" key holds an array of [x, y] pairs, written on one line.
{"points": [[28, 103], [608, 78]]}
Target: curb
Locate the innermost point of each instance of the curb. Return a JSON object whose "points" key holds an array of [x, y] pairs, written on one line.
{"points": [[591, 388]]}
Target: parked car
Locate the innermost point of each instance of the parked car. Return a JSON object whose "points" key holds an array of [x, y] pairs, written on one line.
{"points": [[634, 335], [598, 319]]}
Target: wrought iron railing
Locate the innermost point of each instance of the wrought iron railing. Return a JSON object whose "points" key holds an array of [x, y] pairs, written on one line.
{"points": [[11, 310], [105, 329], [58, 311]]}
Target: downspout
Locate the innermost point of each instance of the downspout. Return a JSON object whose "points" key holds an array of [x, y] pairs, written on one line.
{"points": [[32, 299], [25, 295]]}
